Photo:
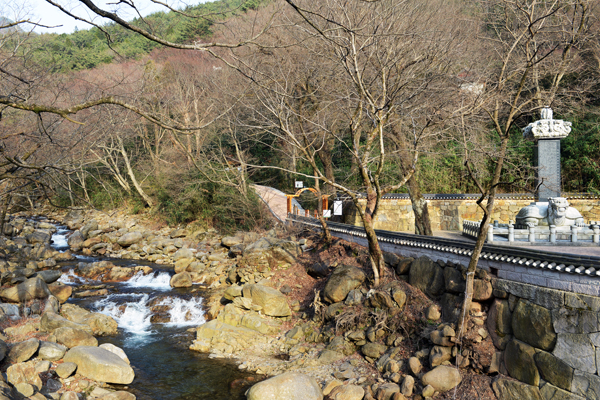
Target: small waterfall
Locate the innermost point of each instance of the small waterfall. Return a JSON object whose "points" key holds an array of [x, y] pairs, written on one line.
{"points": [[156, 281], [59, 240], [70, 278], [131, 316], [184, 312]]}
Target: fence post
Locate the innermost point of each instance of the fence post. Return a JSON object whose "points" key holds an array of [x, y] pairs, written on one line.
{"points": [[511, 231], [490, 234], [531, 234], [552, 233], [574, 230], [596, 237]]}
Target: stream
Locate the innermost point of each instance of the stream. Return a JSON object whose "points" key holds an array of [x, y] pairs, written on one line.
{"points": [[157, 346]]}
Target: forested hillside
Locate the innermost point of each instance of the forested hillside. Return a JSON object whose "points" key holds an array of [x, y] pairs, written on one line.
{"points": [[180, 112]]}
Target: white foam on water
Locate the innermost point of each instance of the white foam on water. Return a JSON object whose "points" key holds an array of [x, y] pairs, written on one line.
{"points": [[156, 281], [69, 278], [184, 312], [59, 241], [133, 316]]}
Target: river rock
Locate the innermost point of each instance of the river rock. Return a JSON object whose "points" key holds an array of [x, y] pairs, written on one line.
{"points": [[230, 241], [72, 337], [288, 386], [23, 351], [38, 237], [66, 369], [183, 253], [510, 390], [119, 395], [69, 396], [272, 301], [347, 392], [281, 250], [49, 275], [482, 290], [442, 378], [427, 275], [100, 324], [387, 391], [232, 292], [373, 350], [130, 238], [52, 321], [115, 350], [100, 365], [51, 351], [454, 281], [91, 225], [532, 324], [182, 279], [24, 372], [34, 288], [439, 354], [61, 291], [343, 279], [75, 241]]}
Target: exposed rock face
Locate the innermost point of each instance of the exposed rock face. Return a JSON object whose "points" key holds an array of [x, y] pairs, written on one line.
{"points": [[427, 276], [51, 321], [288, 386], [442, 378], [577, 351], [34, 288], [100, 324], [100, 365], [532, 324], [343, 279], [272, 301], [510, 390], [518, 358]]}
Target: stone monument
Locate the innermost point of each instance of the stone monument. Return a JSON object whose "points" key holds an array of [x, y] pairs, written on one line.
{"points": [[549, 209]]}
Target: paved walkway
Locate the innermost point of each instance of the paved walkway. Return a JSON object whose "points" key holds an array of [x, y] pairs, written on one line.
{"points": [[275, 200]]}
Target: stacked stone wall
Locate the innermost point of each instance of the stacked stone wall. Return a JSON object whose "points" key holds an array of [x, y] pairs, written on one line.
{"points": [[448, 215]]}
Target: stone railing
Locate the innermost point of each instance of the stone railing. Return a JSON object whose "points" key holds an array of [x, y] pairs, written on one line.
{"points": [[573, 273], [507, 234]]}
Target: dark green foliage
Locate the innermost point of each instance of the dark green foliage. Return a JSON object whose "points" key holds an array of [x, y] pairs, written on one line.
{"points": [[580, 156]]}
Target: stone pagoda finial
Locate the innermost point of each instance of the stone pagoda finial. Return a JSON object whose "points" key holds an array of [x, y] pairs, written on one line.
{"points": [[547, 128]]}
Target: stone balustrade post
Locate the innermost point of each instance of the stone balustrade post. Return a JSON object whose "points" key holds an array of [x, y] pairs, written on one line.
{"points": [[531, 234], [511, 232], [552, 233], [596, 234], [490, 234], [574, 230]]}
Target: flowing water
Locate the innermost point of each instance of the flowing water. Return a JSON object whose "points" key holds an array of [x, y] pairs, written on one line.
{"points": [[153, 324]]}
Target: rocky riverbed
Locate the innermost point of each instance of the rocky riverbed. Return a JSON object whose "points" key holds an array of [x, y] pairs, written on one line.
{"points": [[279, 303]]}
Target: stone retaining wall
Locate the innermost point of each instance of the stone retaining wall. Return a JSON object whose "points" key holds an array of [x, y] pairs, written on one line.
{"points": [[448, 215]]}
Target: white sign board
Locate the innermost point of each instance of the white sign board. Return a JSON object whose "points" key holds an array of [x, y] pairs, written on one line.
{"points": [[299, 185], [326, 213], [337, 207]]}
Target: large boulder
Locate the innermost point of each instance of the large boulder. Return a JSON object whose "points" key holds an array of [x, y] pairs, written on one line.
{"points": [[24, 373], [23, 351], [130, 238], [38, 237], [100, 364], [343, 279], [49, 275], [288, 386], [91, 225], [427, 275], [532, 324], [347, 392], [50, 322], [100, 324], [51, 351], [518, 358], [577, 351], [272, 301], [281, 250], [61, 291], [182, 279], [72, 337], [510, 390], [442, 378], [75, 241], [33, 288]]}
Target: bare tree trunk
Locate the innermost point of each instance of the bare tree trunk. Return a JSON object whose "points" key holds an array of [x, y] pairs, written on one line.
{"points": [[134, 180], [375, 253], [420, 208]]}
